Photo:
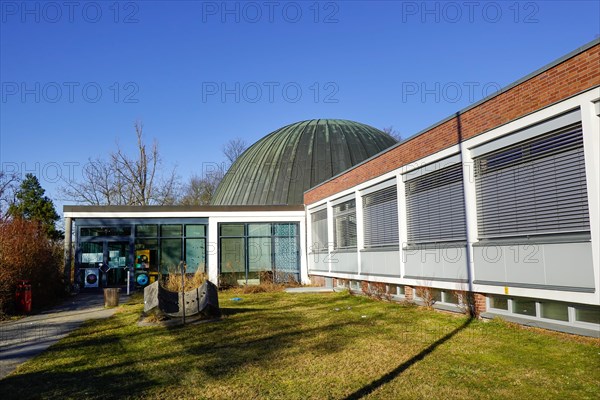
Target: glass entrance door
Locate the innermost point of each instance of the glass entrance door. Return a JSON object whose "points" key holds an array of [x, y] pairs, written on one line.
{"points": [[117, 260]]}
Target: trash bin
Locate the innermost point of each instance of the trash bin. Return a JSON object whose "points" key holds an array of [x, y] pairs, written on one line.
{"points": [[111, 297], [23, 297]]}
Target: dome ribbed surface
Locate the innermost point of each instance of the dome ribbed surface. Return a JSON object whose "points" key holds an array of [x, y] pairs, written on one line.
{"points": [[280, 167]]}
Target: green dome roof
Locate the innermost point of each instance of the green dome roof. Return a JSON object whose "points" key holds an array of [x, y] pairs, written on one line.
{"points": [[280, 167]]}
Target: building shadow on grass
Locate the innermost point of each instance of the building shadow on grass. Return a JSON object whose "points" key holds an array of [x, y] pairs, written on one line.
{"points": [[78, 379], [376, 384]]}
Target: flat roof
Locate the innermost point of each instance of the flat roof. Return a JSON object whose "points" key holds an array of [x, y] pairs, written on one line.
{"points": [[158, 209]]}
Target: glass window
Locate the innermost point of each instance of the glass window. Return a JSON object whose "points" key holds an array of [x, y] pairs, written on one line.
{"points": [[232, 230], [259, 254], [233, 256], [106, 231], [395, 290], [344, 221], [380, 210], [499, 303], [587, 314], [524, 307], [146, 254], [146, 230], [537, 186], [195, 230], [286, 258], [195, 253], [259, 229], [555, 310], [450, 297], [170, 254], [435, 206], [285, 229], [318, 230], [436, 295], [171, 230], [91, 255]]}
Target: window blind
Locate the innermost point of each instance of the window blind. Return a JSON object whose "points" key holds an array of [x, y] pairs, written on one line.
{"points": [[319, 230], [534, 187], [435, 207], [344, 219], [380, 212]]}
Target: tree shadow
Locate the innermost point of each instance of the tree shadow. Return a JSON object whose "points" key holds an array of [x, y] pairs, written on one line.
{"points": [[365, 390]]}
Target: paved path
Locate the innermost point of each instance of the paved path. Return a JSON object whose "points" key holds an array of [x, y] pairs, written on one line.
{"points": [[23, 339]]}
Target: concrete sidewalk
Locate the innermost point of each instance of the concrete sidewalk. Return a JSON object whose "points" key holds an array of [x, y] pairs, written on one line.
{"points": [[23, 339]]}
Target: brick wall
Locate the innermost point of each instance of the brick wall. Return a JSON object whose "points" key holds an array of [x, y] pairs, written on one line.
{"points": [[480, 306], [317, 280], [408, 293], [572, 76]]}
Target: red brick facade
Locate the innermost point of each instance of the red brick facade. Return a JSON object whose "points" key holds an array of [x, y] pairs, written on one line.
{"points": [[480, 306], [571, 76]]}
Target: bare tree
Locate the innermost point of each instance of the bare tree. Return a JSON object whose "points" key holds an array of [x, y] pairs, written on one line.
{"points": [[393, 133], [200, 189], [234, 148], [8, 184], [125, 180]]}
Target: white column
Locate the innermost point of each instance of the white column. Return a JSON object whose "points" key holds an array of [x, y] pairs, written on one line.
{"points": [[470, 208], [591, 143], [68, 250], [212, 250], [402, 223], [360, 223]]}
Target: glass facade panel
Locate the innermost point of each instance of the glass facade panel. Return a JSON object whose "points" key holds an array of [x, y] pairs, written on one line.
{"points": [[259, 229], [171, 230], [91, 255], [105, 231], [232, 230], [555, 310], [170, 254], [258, 251], [233, 261], [285, 230], [195, 255], [146, 230], [499, 303], [259, 255], [195, 230], [524, 307], [588, 314], [117, 261], [286, 258], [146, 254]]}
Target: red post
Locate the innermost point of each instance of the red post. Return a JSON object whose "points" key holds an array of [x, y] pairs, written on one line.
{"points": [[23, 297]]}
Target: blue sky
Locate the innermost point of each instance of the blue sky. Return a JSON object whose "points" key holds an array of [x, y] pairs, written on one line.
{"points": [[75, 76]]}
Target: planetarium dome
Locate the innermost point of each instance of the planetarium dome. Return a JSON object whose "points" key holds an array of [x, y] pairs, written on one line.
{"points": [[280, 167]]}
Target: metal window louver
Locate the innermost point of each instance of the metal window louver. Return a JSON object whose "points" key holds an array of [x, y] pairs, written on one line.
{"points": [[319, 230], [344, 220], [534, 187], [435, 207], [380, 213]]}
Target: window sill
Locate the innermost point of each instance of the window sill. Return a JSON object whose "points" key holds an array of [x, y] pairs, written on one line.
{"points": [[380, 249], [535, 239], [435, 245]]}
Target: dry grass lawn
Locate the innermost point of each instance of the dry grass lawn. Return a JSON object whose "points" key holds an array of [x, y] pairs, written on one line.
{"points": [[311, 346]]}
